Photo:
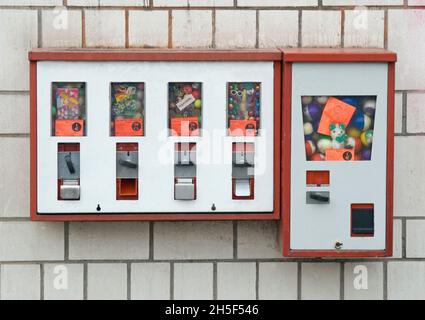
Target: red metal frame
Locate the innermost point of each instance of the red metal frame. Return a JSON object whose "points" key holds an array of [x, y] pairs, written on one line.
{"points": [[272, 55], [334, 55]]}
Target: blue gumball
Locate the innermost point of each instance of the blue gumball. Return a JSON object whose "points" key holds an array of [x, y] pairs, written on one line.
{"points": [[366, 154], [360, 121], [309, 137], [312, 111], [352, 101]]}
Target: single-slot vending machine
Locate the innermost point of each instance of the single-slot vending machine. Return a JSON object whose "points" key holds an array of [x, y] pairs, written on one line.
{"points": [[155, 134], [338, 124]]}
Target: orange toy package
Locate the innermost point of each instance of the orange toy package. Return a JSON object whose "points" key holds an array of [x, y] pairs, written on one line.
{"points": [[243, 127], [185, 126], [335, 111], [129, 127], [339, 155], [69, 127]]}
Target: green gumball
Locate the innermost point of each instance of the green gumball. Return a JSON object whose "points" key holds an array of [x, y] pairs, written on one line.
{"points": [[198, 104]]}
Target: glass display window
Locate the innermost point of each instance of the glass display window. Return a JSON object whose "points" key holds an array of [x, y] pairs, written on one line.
{"points": [[127, 109], [68, 109], [338, 128], [185, 108], [243, 108]]}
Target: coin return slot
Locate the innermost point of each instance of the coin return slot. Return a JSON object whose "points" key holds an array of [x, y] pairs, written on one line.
{"points": [[362, 220]]}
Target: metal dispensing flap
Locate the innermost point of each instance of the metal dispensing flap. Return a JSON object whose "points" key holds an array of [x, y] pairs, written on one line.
{"points": [[70, 190], [184, 189]]}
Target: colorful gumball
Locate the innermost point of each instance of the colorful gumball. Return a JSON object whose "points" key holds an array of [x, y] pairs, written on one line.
{"points": [[354, 143], [306, 99], [360, 121], [198, 104], [366, 154], [351, 101], [196, 94], [353, 132], [367, 138], [323, 144], [187, 89], [367, 122], [369, 107], [312, 111], [322, 100], [308, 129], [317, 157], [310, 148]]}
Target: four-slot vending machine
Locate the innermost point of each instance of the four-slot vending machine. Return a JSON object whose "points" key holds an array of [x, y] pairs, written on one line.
{"points": [[155, 134]]}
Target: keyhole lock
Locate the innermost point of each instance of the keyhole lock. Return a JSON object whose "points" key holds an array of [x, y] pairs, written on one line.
{"points": [[338, 245]]}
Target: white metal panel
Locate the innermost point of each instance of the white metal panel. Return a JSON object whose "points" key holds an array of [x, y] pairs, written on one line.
{"points": [[156, 157], [319, 226]]}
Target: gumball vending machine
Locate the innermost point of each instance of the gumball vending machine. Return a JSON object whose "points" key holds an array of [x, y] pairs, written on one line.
{"points": [[155, 134], [338, 152]]}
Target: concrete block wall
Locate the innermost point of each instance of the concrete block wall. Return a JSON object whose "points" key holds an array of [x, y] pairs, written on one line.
{"points": [[211, 260]]}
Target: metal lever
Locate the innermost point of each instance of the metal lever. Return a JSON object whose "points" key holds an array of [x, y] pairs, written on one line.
{"points": [[69, 163], [127, 163], [319, 197]]}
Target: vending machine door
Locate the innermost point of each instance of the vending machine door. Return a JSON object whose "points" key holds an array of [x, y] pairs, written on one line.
{"points": [[338, 156]]}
